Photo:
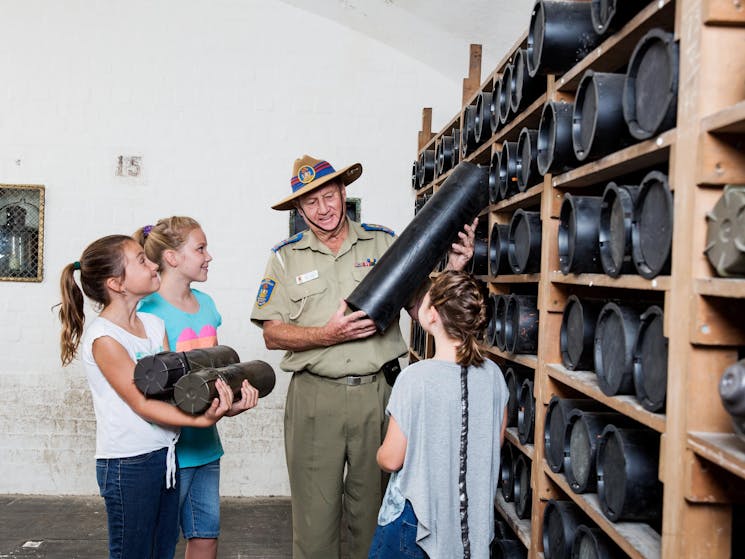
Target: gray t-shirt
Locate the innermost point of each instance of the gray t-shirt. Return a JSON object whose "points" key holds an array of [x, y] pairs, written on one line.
{"points": [[425, 402]]}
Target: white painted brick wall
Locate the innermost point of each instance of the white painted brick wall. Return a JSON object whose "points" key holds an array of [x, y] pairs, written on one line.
{"points": [[218, 98]]}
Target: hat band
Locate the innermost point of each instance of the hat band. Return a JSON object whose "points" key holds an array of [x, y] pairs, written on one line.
{"points": [[310, 174]]}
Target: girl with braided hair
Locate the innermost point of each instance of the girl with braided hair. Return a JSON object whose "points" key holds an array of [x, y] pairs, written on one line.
{"points": [[447, 417]]}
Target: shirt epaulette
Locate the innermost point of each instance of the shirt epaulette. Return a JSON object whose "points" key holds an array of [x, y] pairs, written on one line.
{"points": [[374, 227], [295, 238]]}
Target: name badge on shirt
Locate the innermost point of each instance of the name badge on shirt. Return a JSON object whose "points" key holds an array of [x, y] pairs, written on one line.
{"points": [[306, 277]]}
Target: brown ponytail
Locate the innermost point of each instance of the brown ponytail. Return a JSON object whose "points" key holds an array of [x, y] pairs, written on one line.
{"points": [[101, 260], [460, 303]]}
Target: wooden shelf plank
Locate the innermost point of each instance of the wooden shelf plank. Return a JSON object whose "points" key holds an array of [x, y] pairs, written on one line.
{"points": [[636, 539], [661, 283], [725, 450], [512, 278], [531, 197], [521, 359], [721, 287], [519, 526], [586, 382], [633, 158], [614, 52], [514, 438], [727, 121]]}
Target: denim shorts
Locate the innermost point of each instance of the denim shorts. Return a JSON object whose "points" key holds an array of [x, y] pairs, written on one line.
{"points": [[397, 539], [142, 514], [200, 500]]}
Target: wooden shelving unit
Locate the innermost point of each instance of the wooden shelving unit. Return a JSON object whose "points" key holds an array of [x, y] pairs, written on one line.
{"points": [[702, 463]]}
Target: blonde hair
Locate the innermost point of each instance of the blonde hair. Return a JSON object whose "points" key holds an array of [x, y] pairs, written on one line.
{"points": [[101, 260], [459, 301], [169, 233]]}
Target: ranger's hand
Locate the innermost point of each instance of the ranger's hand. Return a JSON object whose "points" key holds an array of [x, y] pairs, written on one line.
{"points": [[343, 327]]}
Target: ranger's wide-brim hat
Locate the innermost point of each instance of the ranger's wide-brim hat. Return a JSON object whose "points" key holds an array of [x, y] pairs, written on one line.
{"points": [[309, 173]]}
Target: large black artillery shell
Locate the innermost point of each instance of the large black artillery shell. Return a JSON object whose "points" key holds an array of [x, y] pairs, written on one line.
{"points": [[513, 378], [508, 170], [523, 493], [581, 438], [650, 92], [469, 140], [526, 412], [579, 219], [499, 241], [577, 334], [557, 412], [491, 325], [521, 324], [494, 194], [650, 360], [525, 242], [652, 227], [445, 158], [560, 34], [560, 522], [725, 233], [527, 159], [505, 95], [610, 15], [615, 334], [627, 465], [499, 333], [195, 392], [555, 150], [494, 106], [592, 543], [614, 235], [480, 258], [507, 472], [483, 116], [156, 375], [426, 167], [525, 89], [457, 140], [732, 393], [415, 175], [413, 255], [598, 125]]}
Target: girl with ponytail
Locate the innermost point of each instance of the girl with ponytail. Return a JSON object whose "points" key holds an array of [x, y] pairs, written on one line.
{"points": [[135, 458], [453, 405]]}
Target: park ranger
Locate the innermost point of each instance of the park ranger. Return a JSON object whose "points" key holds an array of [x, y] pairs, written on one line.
{"points": [[335, 409]]}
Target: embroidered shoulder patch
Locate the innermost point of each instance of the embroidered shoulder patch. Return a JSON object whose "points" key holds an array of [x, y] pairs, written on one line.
{"points": [[265, 291], [374, 227], [295, 238]]}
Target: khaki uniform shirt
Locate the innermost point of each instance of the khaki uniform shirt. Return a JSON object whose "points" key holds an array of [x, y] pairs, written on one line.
{"points": [[304, 284]]}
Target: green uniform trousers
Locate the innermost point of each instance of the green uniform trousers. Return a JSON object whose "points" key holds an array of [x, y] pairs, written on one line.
{"points": [[330, 427]]}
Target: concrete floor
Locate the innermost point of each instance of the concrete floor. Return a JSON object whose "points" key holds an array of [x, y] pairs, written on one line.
{"points": [[75, 528]]}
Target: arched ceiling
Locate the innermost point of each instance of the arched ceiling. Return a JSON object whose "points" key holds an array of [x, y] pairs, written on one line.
{"points": [[436, 32]]}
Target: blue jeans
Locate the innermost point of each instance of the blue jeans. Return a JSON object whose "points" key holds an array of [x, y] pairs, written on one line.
{"points": [[200, 500], [142, 514], [397, 539]]}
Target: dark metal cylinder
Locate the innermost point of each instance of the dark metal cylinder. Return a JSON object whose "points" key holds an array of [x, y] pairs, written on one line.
{"points": [[732, 393], [426, 167], [560, 522], [652, 227], [577, 334], [581, 438], [610, 15], [499, 334], [554, 144], [592, 543], [513, 378], [627, 464], [560, 34], [508, 170], [554, 433], [446, 154], [598, 125], [525, 89], [650, 360], [457, 141], [579, 219], [527, 159], [508, 549], [650, 92], [483, 116], [480, 259], [523, 493], [415, 175], [491, 325], [499, 241], [725, 233], [615, 334], [194, 393], [505, 95], [521, 324], [156, 375], [526, 412], [507, 472], [413, 255], [494, 106], [494, 193], [525, 242], [614, 235], [469, 140]]}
